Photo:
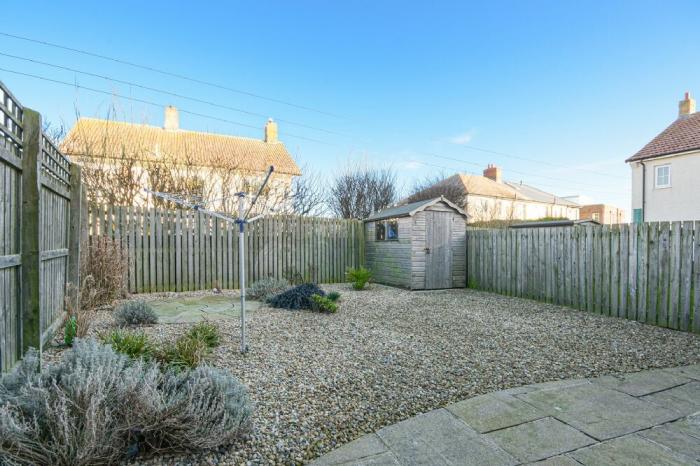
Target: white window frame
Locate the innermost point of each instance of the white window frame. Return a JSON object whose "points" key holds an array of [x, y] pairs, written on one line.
{"points": [[656, 176]]}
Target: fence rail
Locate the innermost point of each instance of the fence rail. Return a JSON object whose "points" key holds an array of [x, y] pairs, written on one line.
{"points": [[183, 250], [648, 272]]}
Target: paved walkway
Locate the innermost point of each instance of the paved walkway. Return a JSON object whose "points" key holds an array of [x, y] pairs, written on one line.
{"points": [[647, 418]]}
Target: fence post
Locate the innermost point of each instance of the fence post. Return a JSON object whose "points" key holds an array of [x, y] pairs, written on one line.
{"points": [[31, 191], [75, 232]]}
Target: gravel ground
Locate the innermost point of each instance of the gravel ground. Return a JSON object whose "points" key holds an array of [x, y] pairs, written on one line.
{"points": [[322, 380]]}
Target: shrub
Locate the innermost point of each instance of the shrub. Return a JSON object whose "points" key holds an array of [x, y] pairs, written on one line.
{"points": [[185, 353], [266, 288], [104, 268], [334, 296], [70, 331], [298, 297], [206, 332], [136, 312], [359, 277], [133, 344], [323, 304], [96, 406]]}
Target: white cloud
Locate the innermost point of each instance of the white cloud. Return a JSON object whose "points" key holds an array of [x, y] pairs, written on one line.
{"points": [[462, 138]]}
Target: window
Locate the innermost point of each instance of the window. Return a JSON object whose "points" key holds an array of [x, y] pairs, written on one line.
{"points": [[379, 231], [595, 216], [663, 176], [392, 229], [386, 230]]}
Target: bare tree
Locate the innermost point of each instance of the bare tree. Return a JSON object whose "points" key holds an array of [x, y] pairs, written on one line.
{"points": [[359, 191], [308, 193], [438, 185]]}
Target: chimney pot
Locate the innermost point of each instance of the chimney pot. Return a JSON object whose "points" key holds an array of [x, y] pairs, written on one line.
{"points": [[171, 120], [270, 131], [493, 172], [686, 106]]}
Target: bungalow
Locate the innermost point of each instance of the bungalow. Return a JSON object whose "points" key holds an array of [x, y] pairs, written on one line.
{"points": [[665, 172]]}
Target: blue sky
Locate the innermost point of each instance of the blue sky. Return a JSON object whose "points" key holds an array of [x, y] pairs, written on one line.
{"points": [[556, 93]]}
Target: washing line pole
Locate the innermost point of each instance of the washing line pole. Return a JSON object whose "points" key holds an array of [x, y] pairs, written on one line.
{"points": [[240, 221], [241, 266]]}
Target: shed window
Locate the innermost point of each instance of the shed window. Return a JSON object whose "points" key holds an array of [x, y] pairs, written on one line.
{"points": [[379, 231], [386, 230]]}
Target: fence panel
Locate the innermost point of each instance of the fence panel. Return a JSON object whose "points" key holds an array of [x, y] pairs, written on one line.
{"points": [[648, 272], [40, 199], [182, 250]]}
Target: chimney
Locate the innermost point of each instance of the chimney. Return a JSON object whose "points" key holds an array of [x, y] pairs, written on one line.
{"points": [[171, 120], [493, 172], [270, 131], [686, 106]]}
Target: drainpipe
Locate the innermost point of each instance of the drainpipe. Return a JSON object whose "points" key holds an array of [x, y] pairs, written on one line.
{"points": [[644, 190]]}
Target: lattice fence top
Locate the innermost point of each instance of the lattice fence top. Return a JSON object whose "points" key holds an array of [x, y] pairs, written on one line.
{"points": [[11, 129]]}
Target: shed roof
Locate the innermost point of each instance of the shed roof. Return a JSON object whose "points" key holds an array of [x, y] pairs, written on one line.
{"points": [[408, 210]]}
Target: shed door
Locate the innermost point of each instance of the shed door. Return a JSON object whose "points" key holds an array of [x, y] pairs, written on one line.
{"points": [[438, 257]]}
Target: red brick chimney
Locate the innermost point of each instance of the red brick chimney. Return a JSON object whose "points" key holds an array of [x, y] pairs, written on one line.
{"points": [[493, 172]]}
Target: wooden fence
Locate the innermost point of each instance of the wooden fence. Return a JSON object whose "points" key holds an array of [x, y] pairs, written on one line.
{"points": [[39, 198], [648, 272], [183, 250]]}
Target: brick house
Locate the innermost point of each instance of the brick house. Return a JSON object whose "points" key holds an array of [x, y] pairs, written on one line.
{"points": [[602, 213]]}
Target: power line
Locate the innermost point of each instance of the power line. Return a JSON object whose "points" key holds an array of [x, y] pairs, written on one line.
{"points": [[544, 162], [174, 94], [546, 185], [170, 73], [454, 159], [207, 83], [155, 104]]}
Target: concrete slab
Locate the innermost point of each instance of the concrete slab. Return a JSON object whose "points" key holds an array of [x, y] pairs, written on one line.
{"points": [[196, 308], [692, 372], [539, 439], [553, 385], [631, 450], [684, 399], [364, 448], [439, 438], [676, 436], [642, 383], [599, 412], [494, 411]]}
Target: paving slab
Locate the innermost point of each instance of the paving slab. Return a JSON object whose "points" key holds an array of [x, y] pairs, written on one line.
{"points": [[553, 385], [684, 399], [677, 436], [439, 438], [494, 411], [630, 450], [599, 412], [642, 383], [540, 439], [368, 447], [692, 372]]}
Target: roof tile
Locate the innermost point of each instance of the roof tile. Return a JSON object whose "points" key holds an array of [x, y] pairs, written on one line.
{"points": [[681, 136]]}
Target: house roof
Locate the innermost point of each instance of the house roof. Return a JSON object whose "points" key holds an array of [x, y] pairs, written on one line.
{"points": [[91, 137], [482, 186], [411, 209], [682, 135]]}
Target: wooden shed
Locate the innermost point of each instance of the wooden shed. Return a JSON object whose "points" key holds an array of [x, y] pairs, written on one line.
{"points": [[420, 246]]}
